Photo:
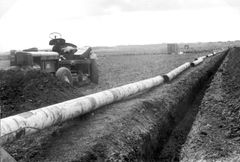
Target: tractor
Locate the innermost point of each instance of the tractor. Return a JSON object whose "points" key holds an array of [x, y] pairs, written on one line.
{"points": [[65, 60]]}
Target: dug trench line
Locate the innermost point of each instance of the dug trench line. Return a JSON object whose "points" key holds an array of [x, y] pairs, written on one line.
{"points": [[14, 127], [183, 107], [133, 130], [89, 139], [172, 149], [215, 132]]}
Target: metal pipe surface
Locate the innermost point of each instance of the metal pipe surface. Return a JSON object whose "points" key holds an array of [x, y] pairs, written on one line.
{"points": [[5, 157], [209, 55], [196, 62], [202, 57], [14, 127], [175, 72]]}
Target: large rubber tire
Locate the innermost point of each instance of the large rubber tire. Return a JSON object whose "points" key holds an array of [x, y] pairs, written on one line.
{"points": [[65, 75], [94, 71]]}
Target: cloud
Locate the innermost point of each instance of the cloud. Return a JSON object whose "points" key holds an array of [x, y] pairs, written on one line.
{"points": [[233, 3], [96, 7], [75, 9], [114, 22], [5, 5]]}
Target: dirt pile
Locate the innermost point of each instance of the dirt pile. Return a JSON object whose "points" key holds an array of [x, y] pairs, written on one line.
{"points": [[131, 130], [23, 91], [215, 134], [231, 86]]}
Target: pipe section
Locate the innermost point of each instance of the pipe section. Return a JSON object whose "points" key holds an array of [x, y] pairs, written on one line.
{"points": [[209, 55], [5, 157], [172, 74], [196, 62], [16, 126], [202, 57]]}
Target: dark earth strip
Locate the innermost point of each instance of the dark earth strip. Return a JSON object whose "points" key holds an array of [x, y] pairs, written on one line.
{"points": [[215, 134], [131, 130]]}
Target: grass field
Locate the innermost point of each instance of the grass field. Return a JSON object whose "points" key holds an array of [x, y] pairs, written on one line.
{"points": [[123, 69], [4, 64], [114, 70], [119, 69]]}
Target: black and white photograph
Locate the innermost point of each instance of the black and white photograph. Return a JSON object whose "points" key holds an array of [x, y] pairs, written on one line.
{"points": [[119, 80]]}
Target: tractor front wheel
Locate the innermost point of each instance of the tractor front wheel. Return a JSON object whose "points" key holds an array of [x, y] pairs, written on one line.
{"points": [[65, 75]]}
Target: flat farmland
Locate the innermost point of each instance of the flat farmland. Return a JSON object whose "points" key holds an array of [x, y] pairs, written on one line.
{"points": [[4, 64], [38, 90], [117, 70], [4, 61], [114, 71]]}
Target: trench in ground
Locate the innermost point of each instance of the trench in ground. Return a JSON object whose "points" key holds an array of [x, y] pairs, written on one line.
{"points": [[168, 146], [171, 149], [184, 126]]}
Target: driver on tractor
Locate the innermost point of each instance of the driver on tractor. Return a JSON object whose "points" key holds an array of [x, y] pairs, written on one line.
{"points": [[68, 50]]}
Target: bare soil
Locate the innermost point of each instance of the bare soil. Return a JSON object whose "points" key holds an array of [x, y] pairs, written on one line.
{"points": [[122, 69], [129, 130], [23, 91], [172, 149], [215, 135]]}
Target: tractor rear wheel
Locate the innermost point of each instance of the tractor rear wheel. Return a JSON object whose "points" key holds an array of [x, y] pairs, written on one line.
{"points": [[65, 75], [94, 71]]}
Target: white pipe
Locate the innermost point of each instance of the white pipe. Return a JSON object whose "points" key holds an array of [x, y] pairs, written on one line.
{"points": [[196, 62], [172, 74], [14, 127], [209, 55], [202, 57], [5, 157]]}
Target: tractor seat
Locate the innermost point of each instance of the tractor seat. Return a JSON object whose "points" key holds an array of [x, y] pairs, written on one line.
{"points": [[58, 41], [64, 48]]}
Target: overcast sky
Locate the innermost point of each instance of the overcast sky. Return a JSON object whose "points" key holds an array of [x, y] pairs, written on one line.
{"points": [[27, 23]]}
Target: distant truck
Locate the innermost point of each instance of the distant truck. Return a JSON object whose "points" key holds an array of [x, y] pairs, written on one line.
{"points": [[66, 61]]}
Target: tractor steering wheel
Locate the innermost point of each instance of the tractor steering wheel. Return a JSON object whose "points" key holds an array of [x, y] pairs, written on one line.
{"points": [[55, 35]]}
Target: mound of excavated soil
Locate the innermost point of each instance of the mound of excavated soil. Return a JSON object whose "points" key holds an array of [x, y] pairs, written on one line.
{"points": [[131, 130], [24, 91], [215, 134]]}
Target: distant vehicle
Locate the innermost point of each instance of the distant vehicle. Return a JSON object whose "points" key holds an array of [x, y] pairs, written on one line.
{"points": [[68, 62]]}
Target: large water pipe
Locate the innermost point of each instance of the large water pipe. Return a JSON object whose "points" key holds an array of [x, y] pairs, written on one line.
{"points": [[174, 73], [14, 127], [5, 157], [196, 62], [202, 57], [209, 55]]}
